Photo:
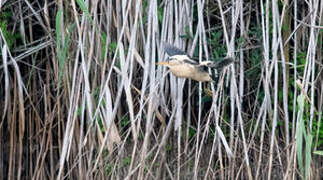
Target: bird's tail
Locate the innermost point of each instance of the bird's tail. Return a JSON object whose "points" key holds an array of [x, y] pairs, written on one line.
{"points": [[222, 63]]}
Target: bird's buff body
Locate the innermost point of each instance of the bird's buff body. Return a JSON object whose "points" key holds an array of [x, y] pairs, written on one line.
{"points": [[181, 65]]}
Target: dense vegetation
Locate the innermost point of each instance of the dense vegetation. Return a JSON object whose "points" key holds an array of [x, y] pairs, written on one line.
{"points": [[82, 97]]}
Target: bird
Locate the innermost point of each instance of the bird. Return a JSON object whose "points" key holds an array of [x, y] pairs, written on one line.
{"points": [[183, 66]]}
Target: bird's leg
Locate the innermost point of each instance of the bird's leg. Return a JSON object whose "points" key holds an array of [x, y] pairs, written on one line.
{"points": [[208, 89]]}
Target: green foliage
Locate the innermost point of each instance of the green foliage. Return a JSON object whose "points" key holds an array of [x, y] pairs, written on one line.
{"points": [[318, 130], [149, 157], [253, 71], [206, 98], [261, 96], [124, 121], [140, 136], [96, 93], [10, 37], [301, 134], [62, 50], [113, 50], [113, 46], [160, 12], [256, 33], [126, 161], [58, 28], [190, 164], [212, 131], [187, 34], [319, 39], [101, 125], [191, 132], [241, 42], [280, 95], [308, 153], [79, 111], [169, 147], [83, 7], [302, 130], [301, 61], [103, 44], [320, 153], [216, 42], [144, 7], [109, 169]]}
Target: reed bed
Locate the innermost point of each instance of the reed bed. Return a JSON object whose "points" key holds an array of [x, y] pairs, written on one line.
{"points": [[83, 98]]}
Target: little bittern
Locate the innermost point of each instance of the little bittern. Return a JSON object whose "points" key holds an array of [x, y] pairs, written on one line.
{"points": [[183, 66]]}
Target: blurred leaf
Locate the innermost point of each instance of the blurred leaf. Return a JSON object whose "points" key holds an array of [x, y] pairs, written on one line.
{"points": [[124, 121], [318, 153], [206, 99], [241, 42], [191, 132], [216, 42], [187, 34], [168, 147], [58, 43], [299, 134], [103, 44], [160, 15], [300, 102], [126, 161], [109, 169], [113, 46], [62, 51], [308, 153], [318, 131], [100, 123], [10, 38], [84, 9], [280, 95]]}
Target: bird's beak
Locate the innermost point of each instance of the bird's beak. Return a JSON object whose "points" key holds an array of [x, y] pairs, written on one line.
{"points": [[164, 63]]}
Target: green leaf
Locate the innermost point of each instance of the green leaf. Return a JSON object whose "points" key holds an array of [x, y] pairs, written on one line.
{"points": [[160, 15], [126, 161], [113, 46], [67, 39], [299, 133], [58, 43], [308, 157], [58, 28], [206, 99], [62, 51], [318, 153], [300, 102], [103, 44], [84, 9]]}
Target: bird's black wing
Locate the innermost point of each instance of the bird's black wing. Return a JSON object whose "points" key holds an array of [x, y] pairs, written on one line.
{"points": [[172, 50], [222, 63]]}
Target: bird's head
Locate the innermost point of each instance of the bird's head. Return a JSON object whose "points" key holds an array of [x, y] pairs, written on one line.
{"points": [[164, 63]]}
